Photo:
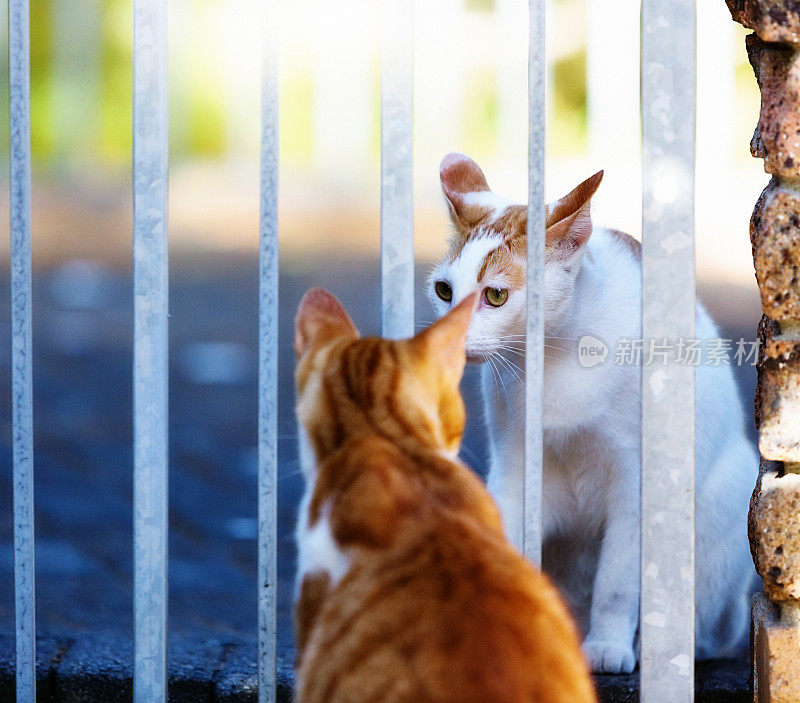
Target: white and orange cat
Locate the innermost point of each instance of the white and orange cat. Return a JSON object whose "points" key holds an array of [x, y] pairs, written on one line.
{"points": [[408, 591], [592, 443]]}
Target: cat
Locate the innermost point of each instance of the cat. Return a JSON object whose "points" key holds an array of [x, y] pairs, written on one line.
{"points": [[592, 441], [407, 591]]}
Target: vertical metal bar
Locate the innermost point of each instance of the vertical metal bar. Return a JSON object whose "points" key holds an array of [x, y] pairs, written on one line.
{"points": [[268, 361], [397, 151], [150, 170], [668, 312], [534, 326], [22, 372]]}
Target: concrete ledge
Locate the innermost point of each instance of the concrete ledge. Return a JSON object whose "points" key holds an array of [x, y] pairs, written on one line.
{"points": [[98, 669], [717, 681]]}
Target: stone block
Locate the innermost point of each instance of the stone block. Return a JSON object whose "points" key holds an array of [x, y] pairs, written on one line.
{"points": [[775, 239], [774, 530], [777, 403], [776, 664], [777, 136], [765, 466], [772, 20]]}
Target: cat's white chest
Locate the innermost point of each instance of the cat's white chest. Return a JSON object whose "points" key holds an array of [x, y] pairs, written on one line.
{"points": [[575, 485], [575, 477], [317, 551]]}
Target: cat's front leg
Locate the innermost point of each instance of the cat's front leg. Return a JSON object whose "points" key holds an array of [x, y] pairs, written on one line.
{"points": [[609, 646], [506, 484]]}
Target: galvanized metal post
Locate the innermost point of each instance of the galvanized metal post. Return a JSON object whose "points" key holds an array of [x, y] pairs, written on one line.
{"points": [[397, 151], [21, 347], [150, 352], [534, 345], [668, 312], [268, 362]]}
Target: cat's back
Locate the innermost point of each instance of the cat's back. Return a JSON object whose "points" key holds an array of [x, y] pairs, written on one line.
{"points": [[448, 612], [614, 260]]}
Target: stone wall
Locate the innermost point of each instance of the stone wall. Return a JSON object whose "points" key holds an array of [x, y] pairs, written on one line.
{"points": [[774, 525]]}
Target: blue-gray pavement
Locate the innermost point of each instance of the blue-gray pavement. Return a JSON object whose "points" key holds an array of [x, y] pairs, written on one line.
{"points": [[83, 465], [96, 668]]}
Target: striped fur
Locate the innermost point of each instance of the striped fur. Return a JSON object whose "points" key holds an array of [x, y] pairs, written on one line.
{"points": [[434, 604]]}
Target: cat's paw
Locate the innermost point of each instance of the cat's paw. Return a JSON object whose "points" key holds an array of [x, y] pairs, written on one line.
{"points": [[609, 657]]}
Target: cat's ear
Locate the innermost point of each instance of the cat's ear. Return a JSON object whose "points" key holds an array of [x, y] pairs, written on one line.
{"points": [[469, 198], [443, 342], [569, 220], [320, 317]]}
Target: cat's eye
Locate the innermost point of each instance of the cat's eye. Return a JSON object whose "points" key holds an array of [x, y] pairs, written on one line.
{"points": [[496, 296], [444, 291]]}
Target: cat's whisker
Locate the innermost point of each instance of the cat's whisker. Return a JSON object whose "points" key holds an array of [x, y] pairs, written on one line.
{"points": [[519, 343], [496, 375], [505, 390], [501, 382], [291, 474], [289, 469], [507, 360], [466, 450], [492, 372], [557, 348], [562, 339], [513, 369], [498, 357], [518, 352], [512, 364]]}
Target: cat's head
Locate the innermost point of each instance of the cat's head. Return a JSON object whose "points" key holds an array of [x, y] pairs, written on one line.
{"points": [[404, 390], [488, 256]]}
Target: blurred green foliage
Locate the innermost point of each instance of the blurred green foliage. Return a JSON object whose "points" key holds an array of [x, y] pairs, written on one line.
{"points": [[104, 135], [97, 131], [41, 45], [481, 112], [484, 5], [116, 77], [567, 127]]}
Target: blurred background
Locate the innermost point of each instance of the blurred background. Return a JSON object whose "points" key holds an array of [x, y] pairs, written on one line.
{"points": [[470, 96]]}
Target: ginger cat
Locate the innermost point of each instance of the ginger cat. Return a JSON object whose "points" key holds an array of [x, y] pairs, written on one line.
{"points": [[408, 590]]}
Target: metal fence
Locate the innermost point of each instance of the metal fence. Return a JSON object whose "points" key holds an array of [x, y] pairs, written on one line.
{"points": [[668, 300]]}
